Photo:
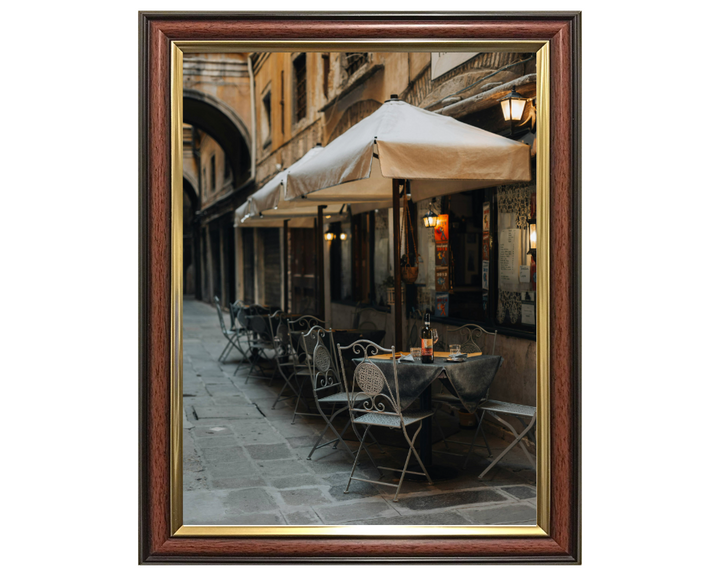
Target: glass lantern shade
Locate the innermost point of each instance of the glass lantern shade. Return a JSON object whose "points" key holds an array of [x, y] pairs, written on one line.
{"points": [[430, 219], [513, 106]]}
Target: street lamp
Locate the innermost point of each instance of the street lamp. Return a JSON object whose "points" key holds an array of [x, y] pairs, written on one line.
{"points": [[329, 236]]}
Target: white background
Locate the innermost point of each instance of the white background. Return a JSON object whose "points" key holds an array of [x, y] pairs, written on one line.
{"points": [[69, 238]]}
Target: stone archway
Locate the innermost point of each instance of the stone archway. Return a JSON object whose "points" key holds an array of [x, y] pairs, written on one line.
{"points": [[222, 123]]}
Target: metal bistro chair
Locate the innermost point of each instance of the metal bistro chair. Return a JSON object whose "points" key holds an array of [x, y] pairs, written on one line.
{"points": [[258, 342], [382, 408], [302, 358], [519, 411], [327, 387], [285, 354], [472, 334], [231, 335]]}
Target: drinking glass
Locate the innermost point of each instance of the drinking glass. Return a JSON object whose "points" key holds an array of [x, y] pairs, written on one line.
{"points": [[416, 353], [454, 349], [434, 333]]}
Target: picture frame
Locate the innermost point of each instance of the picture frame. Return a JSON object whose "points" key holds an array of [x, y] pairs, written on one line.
{"points": [[163, 538]]}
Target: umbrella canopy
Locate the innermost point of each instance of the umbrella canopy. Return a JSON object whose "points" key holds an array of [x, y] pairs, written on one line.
{"points": [[245, 219], [439, 154], [268, 203]]}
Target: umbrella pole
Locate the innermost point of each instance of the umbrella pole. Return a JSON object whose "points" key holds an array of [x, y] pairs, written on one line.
{"points": [[320, 265], [286, 259], [398, 284]]}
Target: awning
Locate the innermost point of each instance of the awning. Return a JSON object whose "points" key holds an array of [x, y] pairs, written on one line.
{"points": [[440, 155]]}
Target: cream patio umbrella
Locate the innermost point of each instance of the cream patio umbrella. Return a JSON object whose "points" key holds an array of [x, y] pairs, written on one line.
{"points": [[400, 142], [267, 208]]}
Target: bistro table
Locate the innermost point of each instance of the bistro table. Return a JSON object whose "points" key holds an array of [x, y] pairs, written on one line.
{"points": [[469, 380]]}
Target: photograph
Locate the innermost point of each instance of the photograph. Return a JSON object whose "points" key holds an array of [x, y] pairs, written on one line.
{"points": [[339, 367], [287, 234]]}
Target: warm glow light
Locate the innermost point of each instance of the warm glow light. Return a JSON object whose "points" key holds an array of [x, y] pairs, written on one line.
{"points": [[532, 229], [329, 236], [513, 106], [343, 236], [430, 219]]}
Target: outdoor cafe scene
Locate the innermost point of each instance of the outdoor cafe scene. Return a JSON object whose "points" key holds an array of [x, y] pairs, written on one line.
{"points": [[359, 254]]}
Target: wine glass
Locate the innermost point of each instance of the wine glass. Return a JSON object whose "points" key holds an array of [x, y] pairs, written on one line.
{"points": [[435, 336]]}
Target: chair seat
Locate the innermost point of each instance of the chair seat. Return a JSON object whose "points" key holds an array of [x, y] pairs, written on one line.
{"points": [[390, 420], [508, 408], [341, 397]]}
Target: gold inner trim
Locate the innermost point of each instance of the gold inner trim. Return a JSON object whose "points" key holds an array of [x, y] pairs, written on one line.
{"points": [[543, 288]]}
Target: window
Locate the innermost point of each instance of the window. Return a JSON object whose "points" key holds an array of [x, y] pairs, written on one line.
{"points": [[326, 74], [204, 182], [213, 182], [360, 263], [353, 61], [300, 70], [282, 101], [226, 173], [266, 120], [490, 275]]}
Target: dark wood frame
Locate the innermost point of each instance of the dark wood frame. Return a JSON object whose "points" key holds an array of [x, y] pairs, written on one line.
{"points": [[157, 31]]}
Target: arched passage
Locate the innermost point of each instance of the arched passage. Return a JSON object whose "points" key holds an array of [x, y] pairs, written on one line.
{"points": [[191, 240], [219, 121]]}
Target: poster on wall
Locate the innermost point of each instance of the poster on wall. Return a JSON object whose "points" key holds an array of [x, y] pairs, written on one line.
{"points": [[442, 282], [441, 256], [486, 217], [441, 305], [486, 246], [528, 313], [442, 229], [485, 275]]}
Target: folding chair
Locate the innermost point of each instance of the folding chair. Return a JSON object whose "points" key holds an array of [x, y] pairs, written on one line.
{"points": [[258, 342], [470, 343], [231, 335], [285, 354], [457, 403], [519, 411], [326, 385], [382, 408], [301, 367]]}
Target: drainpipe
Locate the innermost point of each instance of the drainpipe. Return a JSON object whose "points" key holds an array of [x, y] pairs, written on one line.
{"points": [[253, 119]]}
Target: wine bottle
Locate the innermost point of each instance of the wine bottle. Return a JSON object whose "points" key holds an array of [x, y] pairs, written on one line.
{"points": [[427, 356]]}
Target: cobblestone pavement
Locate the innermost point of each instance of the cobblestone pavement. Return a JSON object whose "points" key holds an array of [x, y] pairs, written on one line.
{"points": [[246, 464]]}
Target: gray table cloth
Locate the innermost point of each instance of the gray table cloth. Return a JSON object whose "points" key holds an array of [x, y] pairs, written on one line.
{"points": [[469, 381]]}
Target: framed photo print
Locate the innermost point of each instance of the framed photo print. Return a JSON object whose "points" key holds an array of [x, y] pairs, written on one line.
{"points": [[297, 170]]}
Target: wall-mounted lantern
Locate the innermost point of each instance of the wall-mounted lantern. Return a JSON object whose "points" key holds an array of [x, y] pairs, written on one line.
{"points": [[513, 106], [532, 227], [343, 236], [329, 236]]}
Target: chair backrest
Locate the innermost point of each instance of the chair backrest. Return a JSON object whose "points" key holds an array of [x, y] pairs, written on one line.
{"points": [[220, 315], [471, 334], [318, 344], [304, 323], [369, 391], [279, 331]]}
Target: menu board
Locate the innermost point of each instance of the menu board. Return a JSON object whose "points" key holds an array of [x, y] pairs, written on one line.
{"points": [[508, 258]]}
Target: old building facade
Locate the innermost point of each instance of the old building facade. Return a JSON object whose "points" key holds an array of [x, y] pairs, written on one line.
{"points": [[268, 109]]}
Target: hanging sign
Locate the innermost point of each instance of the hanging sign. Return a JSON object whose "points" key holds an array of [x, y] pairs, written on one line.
{"points": [[486, 217]]}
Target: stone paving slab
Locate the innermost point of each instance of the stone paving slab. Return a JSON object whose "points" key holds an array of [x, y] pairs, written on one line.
{"points": [[359, 510], [512, 514], [227, 412]]}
